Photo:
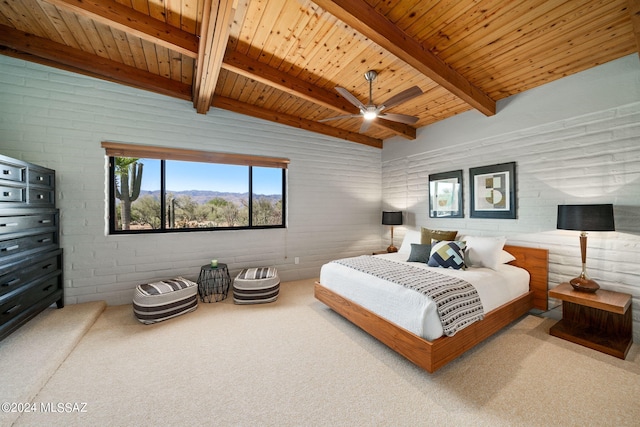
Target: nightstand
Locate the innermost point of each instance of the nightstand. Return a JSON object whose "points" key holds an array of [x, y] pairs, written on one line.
{"points": [[601, 321]]}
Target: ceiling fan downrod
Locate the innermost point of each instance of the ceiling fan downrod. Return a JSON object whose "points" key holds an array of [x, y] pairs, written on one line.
{"points": [[370, 112]]}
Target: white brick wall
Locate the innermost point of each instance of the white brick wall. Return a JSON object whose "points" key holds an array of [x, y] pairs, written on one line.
{"points": [[591, 157], [566, 152], [58, 120]]}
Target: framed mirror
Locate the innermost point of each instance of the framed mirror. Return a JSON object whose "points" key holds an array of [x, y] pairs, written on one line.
{"points": [[445, 195]]}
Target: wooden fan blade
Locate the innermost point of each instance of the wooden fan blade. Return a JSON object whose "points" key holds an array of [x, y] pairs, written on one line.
{"points": [[348, 116], [366, 124], [403, 96], [349, 97], [402, 118]]}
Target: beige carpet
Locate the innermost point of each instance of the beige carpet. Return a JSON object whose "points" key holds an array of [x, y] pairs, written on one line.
{"points": [[32, 354], [295, 362]]}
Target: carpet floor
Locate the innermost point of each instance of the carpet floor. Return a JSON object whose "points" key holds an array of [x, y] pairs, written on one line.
{"points": [[32, 354], [295, 362]]}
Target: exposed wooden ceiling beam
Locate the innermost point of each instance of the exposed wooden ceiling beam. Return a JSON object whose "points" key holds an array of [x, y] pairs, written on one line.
{"points": [[285, 119], [239, 63], [55, 54], [359, 15], [265, 74], [400, 129], [133, 22], [214, 35], [634, 10]]}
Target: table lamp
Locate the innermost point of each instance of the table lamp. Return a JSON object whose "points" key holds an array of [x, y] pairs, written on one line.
{"points": [[392, 218], [585, 218]]}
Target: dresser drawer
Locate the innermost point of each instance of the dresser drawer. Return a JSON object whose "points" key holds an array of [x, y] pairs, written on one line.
{"points": [[12, 194], [22, 301], [18, 223], [32, 243], [26, 271], [42, 177], [41, 197], [12, 172], [31, 263]]}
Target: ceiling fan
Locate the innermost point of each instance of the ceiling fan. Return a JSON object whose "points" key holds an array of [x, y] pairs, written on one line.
{"points": [[371, 111]]}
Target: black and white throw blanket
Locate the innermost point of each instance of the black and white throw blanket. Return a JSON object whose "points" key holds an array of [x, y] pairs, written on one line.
{"points": [[457, 301]]}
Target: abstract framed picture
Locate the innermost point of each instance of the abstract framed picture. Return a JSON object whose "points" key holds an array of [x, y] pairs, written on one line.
{"points": [[493, 191], [445, 195]]}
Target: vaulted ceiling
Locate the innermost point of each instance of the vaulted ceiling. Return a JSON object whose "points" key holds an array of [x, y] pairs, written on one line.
{"points": [[281, 60]]}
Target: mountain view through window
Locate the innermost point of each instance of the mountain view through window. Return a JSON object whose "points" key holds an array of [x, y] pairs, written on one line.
{"points": [[165, 195]]}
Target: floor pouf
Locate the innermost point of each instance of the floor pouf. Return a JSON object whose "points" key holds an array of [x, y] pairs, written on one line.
{"points": [[256, 286], [155, 302]]}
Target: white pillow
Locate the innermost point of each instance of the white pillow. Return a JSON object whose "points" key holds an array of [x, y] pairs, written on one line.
{"points": [[411, 236], [505, 257], [485, 251]]}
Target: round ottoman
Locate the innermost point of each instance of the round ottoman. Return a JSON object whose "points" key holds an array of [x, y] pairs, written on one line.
{"points": [[256, 286], [155, 302]]}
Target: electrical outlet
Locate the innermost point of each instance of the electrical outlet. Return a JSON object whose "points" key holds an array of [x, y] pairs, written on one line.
{"points": [[296, 260]]}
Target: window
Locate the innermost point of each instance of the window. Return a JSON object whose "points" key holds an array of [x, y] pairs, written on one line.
{"points": [[181, 192]]}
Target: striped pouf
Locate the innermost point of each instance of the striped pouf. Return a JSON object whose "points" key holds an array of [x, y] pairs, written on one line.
{"points": [[155, 302], [256, 286]]}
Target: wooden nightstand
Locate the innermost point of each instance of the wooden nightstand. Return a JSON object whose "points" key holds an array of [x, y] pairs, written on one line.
{"points": [[601, 320]]}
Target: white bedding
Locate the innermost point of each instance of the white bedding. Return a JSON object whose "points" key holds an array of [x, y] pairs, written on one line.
{"points": [[412, 310]]}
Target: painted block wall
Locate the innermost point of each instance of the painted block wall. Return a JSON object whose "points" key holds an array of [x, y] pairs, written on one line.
{"points": [[574, 141], [58, 120]]}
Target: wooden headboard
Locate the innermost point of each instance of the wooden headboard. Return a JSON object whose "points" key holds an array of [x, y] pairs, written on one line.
{"points": [[536, 262]]}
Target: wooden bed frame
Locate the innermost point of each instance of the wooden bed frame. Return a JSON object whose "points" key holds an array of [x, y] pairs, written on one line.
{"points": [[432, 355]]}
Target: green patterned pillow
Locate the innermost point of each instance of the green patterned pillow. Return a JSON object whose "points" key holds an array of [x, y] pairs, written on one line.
{"points": [[447, 254]]}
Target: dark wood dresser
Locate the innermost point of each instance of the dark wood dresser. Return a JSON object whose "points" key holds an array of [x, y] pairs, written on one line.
{"points": [[30, 255]]}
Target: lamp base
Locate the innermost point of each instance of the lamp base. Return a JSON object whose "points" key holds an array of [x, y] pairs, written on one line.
{"points": [[391, 249], [584, 285]]}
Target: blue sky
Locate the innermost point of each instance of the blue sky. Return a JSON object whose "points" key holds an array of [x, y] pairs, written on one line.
{"points": [[184, 176]]}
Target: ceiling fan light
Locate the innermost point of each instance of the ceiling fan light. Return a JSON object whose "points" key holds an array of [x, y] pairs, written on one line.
{"points": [[369, 115]]}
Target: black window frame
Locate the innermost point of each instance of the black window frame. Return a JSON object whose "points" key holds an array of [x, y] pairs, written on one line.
{"points": [[249, 161]]}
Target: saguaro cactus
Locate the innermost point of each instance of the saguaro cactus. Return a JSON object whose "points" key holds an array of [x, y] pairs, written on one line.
{"points": [[130, 173]]}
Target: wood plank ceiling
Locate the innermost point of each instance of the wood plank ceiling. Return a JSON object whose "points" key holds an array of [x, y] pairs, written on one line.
{"points": [[281, 60]]}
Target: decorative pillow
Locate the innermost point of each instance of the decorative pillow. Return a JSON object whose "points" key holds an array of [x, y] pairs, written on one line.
{"points": [[484, 251], [419, 253], [410, 236], [429, 235], [447, 254]]}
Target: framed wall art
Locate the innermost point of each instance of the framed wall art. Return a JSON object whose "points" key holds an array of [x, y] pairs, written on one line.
{"points": [[493, 191], [445, 195]]}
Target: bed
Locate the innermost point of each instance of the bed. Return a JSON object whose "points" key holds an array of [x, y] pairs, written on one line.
{"points": [[427, 348]]}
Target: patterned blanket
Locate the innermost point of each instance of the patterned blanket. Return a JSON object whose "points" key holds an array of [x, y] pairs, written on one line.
{"points": [[458, 303]]}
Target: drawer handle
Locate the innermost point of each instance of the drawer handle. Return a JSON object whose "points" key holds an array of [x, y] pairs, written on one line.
{"points": [[9, 224], [10, 248], [40, 178], [40, 196], [6, 171], [11, 282], [14, 308], [48, 266], [6, 193], [47, 288], [45, 221], [45, 240]]}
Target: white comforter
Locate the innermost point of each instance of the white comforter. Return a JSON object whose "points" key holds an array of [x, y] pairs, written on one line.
{"points": [[412, 310]]}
